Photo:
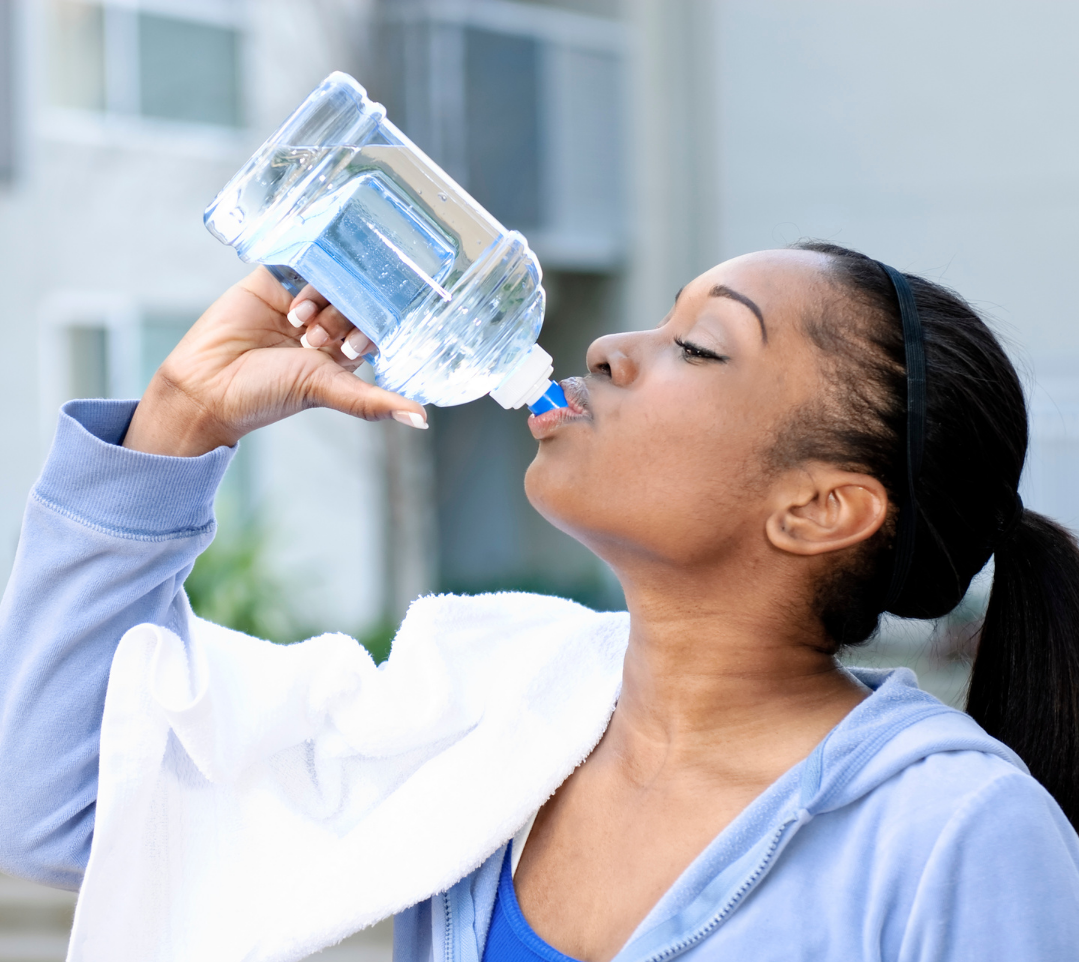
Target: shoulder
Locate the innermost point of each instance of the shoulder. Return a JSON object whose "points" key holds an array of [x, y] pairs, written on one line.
{"points": [[943, 767], [950, 850], [977, 825], [974, 788], [1003, 869], [999, 813], [936, 782]]}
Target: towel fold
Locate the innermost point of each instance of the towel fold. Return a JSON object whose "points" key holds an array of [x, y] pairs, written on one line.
{"points": [[259, 802]]}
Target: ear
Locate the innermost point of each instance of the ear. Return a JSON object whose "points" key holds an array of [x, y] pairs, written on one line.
{"points": [[821, 508]]}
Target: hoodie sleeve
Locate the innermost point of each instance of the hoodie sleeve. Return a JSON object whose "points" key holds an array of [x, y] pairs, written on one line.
{"points": [[1002, 882], [108, 538]]}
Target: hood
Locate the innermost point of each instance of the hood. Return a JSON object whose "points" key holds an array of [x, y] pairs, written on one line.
{"points": [[885, 734]]}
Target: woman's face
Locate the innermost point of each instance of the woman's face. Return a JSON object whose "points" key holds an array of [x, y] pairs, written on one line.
{"points": [[665, 455]]}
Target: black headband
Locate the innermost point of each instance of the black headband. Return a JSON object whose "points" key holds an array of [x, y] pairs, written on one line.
{"points": [[914, 346]]}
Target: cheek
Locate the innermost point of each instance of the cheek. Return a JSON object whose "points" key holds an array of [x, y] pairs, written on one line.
{"points": [[669, 484]]}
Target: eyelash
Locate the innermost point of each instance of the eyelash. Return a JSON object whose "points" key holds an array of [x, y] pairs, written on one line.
{"points": [[691, 352]]}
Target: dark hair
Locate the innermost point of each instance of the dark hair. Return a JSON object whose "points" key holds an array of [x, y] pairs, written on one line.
{"points": [[1024, 686]]}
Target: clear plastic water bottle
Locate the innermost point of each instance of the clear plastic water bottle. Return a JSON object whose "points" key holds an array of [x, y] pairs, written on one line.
{"points": [[340, 198]]}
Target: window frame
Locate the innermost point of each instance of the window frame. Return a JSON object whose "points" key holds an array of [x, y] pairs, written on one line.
{"points": [[120, 123]]}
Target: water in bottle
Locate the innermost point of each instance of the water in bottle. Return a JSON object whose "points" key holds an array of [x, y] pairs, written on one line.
{"points": [[339, 197]]}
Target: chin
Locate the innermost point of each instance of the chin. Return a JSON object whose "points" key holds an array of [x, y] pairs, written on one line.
{"points": [[574, 504], [558, 493], [540, 488]]}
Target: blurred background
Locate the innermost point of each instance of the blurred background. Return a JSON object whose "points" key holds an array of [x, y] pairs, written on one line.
{"points": [[635, 142]]}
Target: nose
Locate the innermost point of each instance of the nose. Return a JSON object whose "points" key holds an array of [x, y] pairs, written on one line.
{"points": [[613, 356]]}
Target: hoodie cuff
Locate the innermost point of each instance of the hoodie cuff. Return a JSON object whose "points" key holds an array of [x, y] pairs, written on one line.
{"points": [[88, 477]]}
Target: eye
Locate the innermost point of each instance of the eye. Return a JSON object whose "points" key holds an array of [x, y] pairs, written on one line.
{"points": [[694, 352]]}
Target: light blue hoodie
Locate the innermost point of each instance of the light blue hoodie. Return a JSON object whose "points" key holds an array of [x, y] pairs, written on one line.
{"points": [[908, 834]]}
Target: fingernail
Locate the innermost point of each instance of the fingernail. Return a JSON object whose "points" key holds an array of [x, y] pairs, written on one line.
{"points": [[306, 343], [348, 350], [302, 313], [411, 419]]}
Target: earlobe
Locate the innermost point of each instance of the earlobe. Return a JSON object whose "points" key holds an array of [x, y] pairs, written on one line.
{"points": [[828, 511]]}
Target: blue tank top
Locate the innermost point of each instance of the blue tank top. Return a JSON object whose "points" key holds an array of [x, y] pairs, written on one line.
{"points": [[510, 938]]}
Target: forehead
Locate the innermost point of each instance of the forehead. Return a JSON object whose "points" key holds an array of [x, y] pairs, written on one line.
{"points": [[780, 282], [786, 285]]}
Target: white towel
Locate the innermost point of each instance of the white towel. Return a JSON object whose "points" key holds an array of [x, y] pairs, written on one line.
{"points": [[259, 802]]}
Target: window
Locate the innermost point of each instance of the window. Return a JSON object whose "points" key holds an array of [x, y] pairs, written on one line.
{"points": [[88, 362], [125, 61], [188, 71], [88, 347], [523, 104], [160, 333], [77, 55], [502, 119]]}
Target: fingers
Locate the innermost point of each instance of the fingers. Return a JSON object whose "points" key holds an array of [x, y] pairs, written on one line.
{"points": [[357, 344], [326, 326], [305, 306], [301, 312], [353, 343], [267, 288], [346, 349], [333, 387]]}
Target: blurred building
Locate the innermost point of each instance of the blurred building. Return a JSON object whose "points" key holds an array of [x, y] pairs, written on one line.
{"points": [[120, 121], [524, 105], [635, 142]]}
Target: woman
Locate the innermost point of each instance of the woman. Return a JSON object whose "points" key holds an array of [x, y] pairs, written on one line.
{"points": [[807, 439]]}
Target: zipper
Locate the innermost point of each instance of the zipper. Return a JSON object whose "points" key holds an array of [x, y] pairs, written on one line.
{"points": [[447, 935], [731, 904]]}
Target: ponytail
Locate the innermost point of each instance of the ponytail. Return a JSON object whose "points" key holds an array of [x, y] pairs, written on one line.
{"points": [[1024, 688]]}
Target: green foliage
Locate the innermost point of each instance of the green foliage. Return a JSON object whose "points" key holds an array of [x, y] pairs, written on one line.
{"points": [[377, 640], [232, 586]]}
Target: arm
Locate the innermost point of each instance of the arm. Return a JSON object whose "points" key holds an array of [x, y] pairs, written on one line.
{"points": [[111, 532], [108, 538]]}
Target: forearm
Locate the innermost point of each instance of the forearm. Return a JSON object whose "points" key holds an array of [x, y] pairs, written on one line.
{"points": [[108, 539]]}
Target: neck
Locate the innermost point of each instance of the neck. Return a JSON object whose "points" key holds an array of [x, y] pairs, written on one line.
{"points": [[725, 675]]}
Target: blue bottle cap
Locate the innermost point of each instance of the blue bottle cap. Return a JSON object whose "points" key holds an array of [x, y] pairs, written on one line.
{"points": [[553, 397]]}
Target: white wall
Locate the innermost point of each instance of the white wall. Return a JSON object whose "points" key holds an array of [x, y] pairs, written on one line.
{"points": [[942, 137]]}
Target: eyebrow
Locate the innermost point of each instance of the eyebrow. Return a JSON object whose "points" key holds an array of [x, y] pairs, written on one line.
{"points": [[721, 290]]}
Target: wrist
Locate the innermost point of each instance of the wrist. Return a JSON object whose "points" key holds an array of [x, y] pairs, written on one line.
{"points": [[169, 422]]}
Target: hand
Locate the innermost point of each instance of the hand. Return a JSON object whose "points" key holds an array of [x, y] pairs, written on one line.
{"points": [[242, 366]]}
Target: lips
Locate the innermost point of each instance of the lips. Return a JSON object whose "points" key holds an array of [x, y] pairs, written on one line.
{"points": [[576, 391], [545, 425]]}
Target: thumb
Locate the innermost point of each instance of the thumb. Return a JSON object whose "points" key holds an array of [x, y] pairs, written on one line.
{"points": [[333, 387]]}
